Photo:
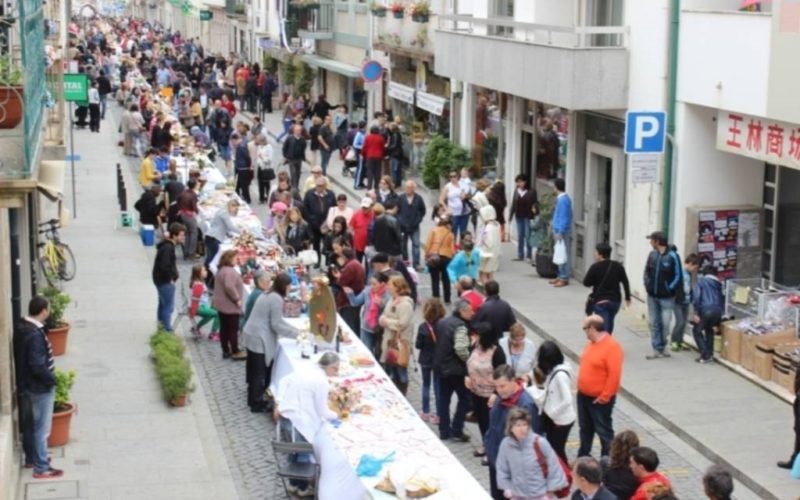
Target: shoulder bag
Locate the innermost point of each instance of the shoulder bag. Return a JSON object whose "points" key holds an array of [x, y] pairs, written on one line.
{"points": [[589, 306], [540, 458]]}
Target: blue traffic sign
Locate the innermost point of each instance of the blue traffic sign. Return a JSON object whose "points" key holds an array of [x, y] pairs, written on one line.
{"points": [[371, 71], [72, 158], [645, 132]]}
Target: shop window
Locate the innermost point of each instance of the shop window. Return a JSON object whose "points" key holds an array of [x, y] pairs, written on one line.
{"points": [[488, 130], [552, 130], [787, 231], [503, 10]]}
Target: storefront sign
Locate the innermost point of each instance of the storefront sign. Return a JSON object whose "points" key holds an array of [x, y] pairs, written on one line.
{"points": [[644, 168], [760, 138], [401, 92], [431, 103], [206, 15], [76, 87]]}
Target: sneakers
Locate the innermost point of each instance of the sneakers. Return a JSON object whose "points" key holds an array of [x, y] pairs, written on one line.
{"points": [[464, 438], [48, 474], [677, 347], [704, 361], [657, 355], [304, 493], [213, 336]]}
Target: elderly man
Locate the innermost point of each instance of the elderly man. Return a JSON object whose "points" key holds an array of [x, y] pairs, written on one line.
{"points": [[311, 180], [410, 214], [599, 378], [317, 203], [587, 474], [294, 152], [450, 360], [465, 289]]}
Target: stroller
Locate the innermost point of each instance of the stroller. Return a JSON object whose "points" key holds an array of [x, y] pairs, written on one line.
{"points": [[350, 161]]}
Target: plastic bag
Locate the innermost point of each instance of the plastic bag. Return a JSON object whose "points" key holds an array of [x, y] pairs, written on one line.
{"points": [[560, 253], [369, 466]]}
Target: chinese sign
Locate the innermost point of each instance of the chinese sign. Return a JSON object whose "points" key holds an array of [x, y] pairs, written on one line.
{"points": [[760, 138], [717, 241]]}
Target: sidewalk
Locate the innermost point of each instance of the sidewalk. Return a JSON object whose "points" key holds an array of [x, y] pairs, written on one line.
{"points": [[728, 419], [126, 442]]}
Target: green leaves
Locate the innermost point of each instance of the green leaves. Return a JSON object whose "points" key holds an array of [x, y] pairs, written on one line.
{"points": [[58, 304], [64, 382], [172, 367], [442, 157]]}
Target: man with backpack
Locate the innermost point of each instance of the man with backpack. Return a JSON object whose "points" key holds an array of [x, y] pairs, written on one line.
{"points": [[663, 276]]}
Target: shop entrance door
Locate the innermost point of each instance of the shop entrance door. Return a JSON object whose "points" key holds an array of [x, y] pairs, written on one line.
{"points": [[603, 204]]}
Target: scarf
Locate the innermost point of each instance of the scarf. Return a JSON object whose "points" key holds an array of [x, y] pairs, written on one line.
{"points": [[512, 401], [374, 309]]}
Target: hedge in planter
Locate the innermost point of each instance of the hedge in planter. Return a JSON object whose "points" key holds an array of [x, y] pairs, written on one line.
{"points": [[172, 367], [63, 409], [57, 327]]}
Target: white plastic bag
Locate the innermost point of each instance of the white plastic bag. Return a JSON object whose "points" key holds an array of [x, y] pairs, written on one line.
{"points": [[560, 253]]}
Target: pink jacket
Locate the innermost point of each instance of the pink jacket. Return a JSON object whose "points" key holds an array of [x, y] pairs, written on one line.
{"points": [[228, 290]]}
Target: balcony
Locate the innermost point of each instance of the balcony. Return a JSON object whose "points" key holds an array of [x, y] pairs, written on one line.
{"points": [[235, 9], [405, 36], [575, 67], [726, 62], [315, 23]]}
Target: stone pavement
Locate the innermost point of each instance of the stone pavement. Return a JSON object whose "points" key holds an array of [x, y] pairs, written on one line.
{"points": [[126, 442]]}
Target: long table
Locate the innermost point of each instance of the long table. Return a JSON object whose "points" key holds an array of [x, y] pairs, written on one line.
{"points": [[391, 425]]}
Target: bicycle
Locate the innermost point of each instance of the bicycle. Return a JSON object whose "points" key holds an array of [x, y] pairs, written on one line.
{"points": [[55, 257]]}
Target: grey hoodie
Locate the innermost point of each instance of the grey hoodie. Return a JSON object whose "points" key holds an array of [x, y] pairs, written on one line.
{"points": [[518, 468]]}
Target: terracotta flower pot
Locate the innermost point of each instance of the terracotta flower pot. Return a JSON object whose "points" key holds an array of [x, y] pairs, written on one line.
{"points": [[179, 401], [59, 433], [58, 339], [10, 107]]}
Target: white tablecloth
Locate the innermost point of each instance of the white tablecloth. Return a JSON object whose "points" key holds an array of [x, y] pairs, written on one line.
{"points": [[391, 426]]}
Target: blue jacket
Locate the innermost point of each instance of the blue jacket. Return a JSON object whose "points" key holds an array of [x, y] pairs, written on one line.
{"points": [[242, 162], [33, 359], [363, 299], [497, 424], [662, 274], [461, 266], [410, 215], [562, 215], [707, 295]]}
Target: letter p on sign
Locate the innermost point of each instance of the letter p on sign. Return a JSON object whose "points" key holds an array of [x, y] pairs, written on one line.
{"points": [[645, 132]]}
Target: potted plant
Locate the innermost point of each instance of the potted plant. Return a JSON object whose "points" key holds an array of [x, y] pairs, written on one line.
{"points": [[63, 409], [172, 367], [398, 10], [57, 327], [544, 256], [306, 4], [377, 9], [441, 157], [420, 11], [11, 91]]}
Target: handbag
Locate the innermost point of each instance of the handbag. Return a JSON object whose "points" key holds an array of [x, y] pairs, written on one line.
{"points": [[266, 174], [433, 261], [398, 352], [563, 492], [560, 253], [588, 307]]}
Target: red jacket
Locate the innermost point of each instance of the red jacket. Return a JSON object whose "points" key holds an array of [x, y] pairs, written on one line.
{"points": [[230, 107], [374, 147], [654, 477], [352, 275], [359, 224]]}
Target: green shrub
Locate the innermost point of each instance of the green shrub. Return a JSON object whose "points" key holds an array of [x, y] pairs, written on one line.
{"points": [[441, 157], [64, 382], [172, 367], [58, 304]]}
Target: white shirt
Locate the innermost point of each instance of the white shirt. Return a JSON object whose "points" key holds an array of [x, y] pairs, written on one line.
{"points": [[556, 399], [303, 399], [94, 96]]}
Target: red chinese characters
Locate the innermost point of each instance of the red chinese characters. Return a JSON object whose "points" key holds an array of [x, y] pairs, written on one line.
{"points": [[734, 130], [794, 144], [754, 131], [775, 140]]}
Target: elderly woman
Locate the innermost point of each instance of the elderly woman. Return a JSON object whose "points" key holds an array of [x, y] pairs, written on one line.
{"points": [[520, 352], [489, 241], [261, 334], [398, 323], [527, 467], [228, 301], [201, 139]]}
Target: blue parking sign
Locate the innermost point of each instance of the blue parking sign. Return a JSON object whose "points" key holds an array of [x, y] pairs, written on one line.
{"points": [[645, 132]]}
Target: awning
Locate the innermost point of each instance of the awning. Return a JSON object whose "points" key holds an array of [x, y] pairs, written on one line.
{"points": [[431, 103], [400, 92], [51, 178], [341, 68]]}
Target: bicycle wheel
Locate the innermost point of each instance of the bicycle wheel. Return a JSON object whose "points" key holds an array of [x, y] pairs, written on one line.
{"points": [[48, 273], [66, 264]]}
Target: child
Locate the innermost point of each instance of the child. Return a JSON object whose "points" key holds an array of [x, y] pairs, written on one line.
{"points": [[439, 211], [373, 298], [201, 304], [537, 233], [432, 311], [709, 304], [682, 300]]}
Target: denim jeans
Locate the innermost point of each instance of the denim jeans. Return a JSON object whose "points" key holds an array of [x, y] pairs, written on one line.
{"points": [[659, 314], [397, 373], [166, 304], [325, 155], [565, 270], [704, 332], [287, 125], [41, 406], [595, 418], [414, 237], [368, 339], [523, 229], [460, 223], [430, 377], [289, 434], [681, 317], [396, 169], [607, 310], [448, 386]]}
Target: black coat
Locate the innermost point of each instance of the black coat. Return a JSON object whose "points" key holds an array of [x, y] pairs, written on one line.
{"points": [[148, 208], [410, 215], [498, 313], [165, 269], [317, 207], [386, 235], [602, 494], [445, 358], [33, 359], [426, 343], [294, 148]]}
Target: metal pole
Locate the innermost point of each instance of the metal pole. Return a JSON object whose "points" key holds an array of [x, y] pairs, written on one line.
{"points": [[72, 161]]}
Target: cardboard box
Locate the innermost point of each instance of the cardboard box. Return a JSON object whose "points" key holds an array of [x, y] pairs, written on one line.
{"points": [[749, 342], [783, 369], [731, 342], [763, 357]]}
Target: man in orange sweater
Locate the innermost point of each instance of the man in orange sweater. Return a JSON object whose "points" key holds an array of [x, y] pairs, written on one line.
{"points": [[599, 378]]}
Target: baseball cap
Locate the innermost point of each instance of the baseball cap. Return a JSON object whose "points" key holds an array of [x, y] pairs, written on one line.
{"points": [[279, 206], [659, 236], [366, 202]]}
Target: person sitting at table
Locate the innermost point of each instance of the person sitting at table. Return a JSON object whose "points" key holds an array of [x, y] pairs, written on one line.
{"points": [[201, 139], [292, 196], [261, 332], [398, 323], [302, 409], [338, 230], [220, 229], [295, 231]]}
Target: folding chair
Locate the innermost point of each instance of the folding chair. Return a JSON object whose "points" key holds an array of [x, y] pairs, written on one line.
{"points": [[287, 469]]}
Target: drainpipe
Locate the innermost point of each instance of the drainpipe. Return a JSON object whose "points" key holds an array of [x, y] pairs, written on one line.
{"points": [[672, 91]]}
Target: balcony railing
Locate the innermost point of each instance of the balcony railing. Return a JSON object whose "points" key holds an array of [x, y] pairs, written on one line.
{"points": [[316, 23], [560, 36], [405, 36]]}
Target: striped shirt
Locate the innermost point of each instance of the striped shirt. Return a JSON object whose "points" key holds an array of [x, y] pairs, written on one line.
{"points": [[51, 363]]}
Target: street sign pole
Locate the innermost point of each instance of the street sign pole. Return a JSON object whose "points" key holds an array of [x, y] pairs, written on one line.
{"points": [[72, 160], [76, 88]]}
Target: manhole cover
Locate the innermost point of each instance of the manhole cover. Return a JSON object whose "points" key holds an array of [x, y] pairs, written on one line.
{"points": [[51, 490]]}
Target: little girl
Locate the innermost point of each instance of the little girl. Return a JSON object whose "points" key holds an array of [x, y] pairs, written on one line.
{"points": [[537, 233], [201, 304], [372, 298], [432, 311]]}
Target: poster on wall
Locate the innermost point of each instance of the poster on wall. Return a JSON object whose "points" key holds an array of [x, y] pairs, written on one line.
{"points": [[718, 236]]}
